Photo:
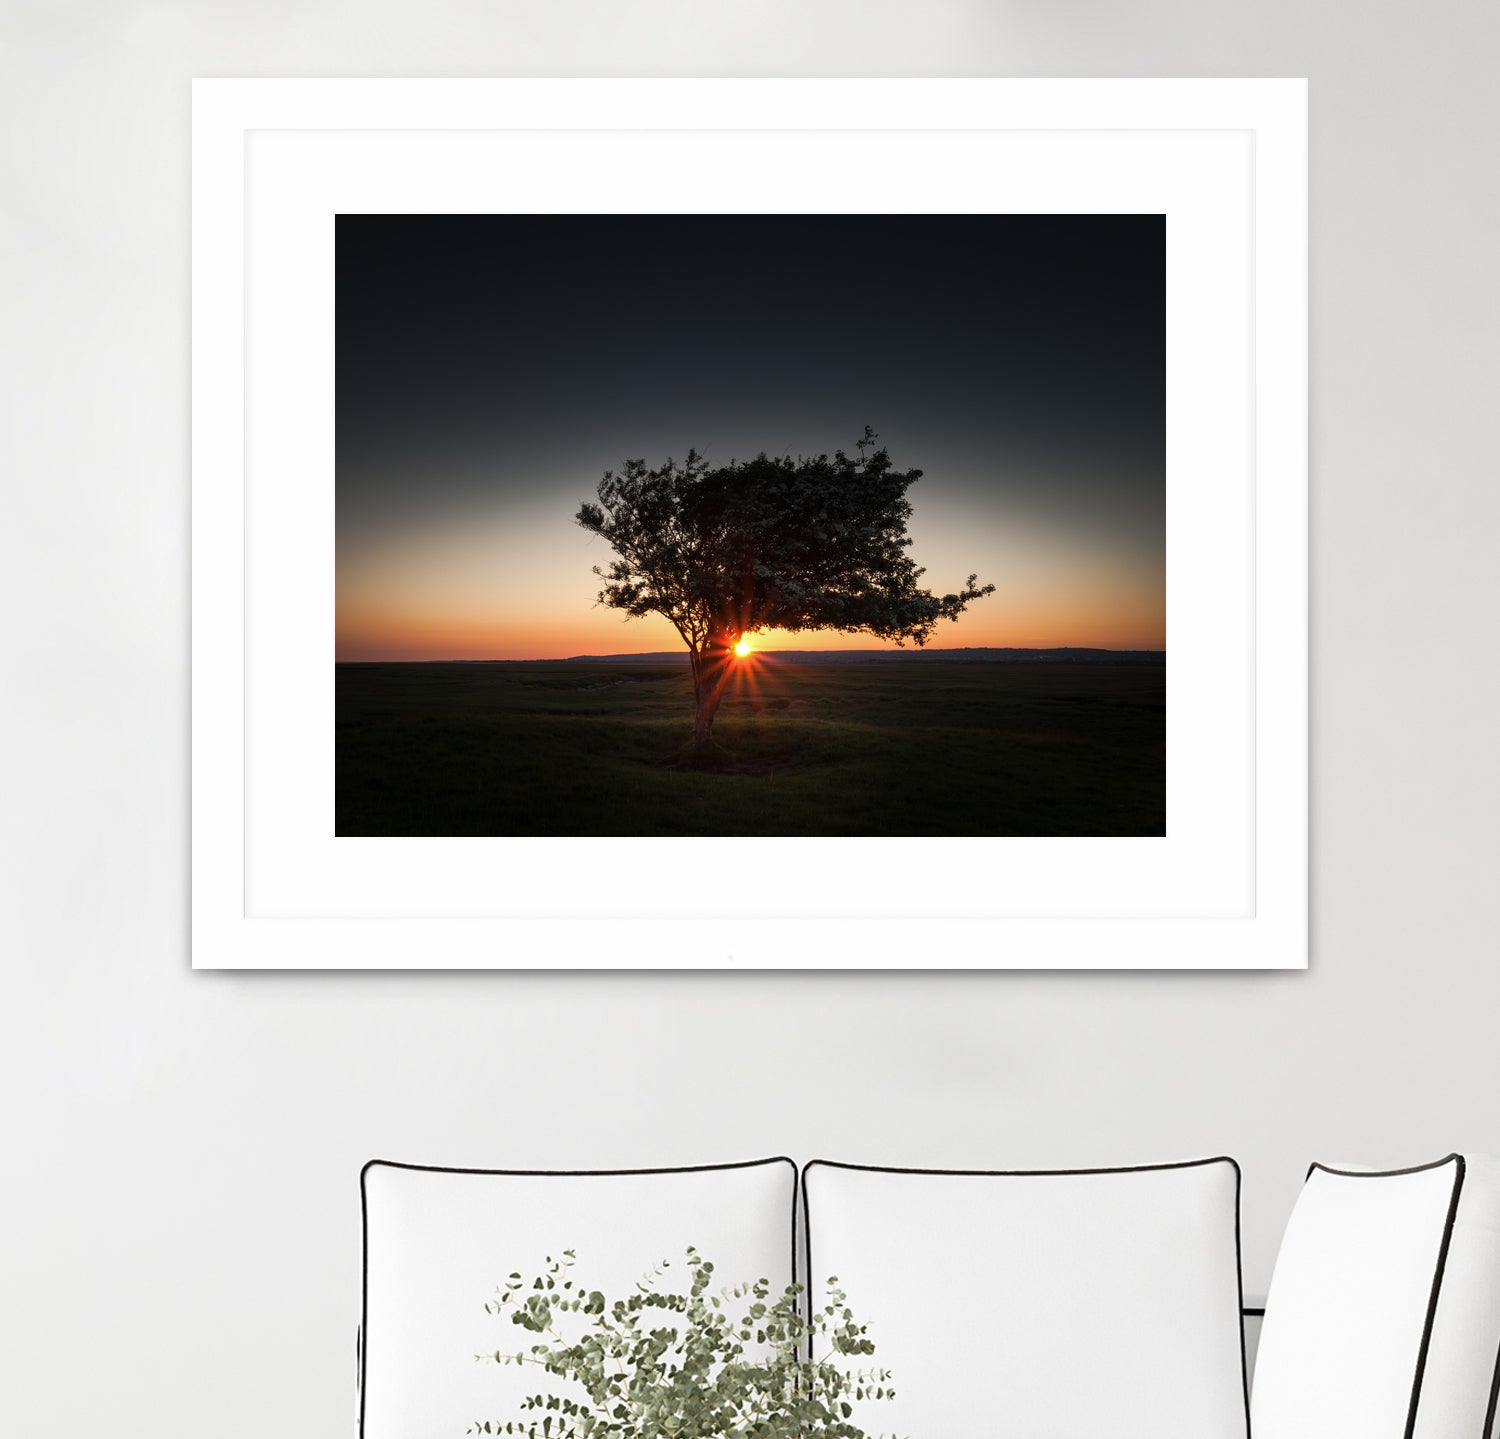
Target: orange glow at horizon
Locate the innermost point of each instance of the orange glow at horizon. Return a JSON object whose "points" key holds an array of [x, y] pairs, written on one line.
{"points": [[394, 631], [395, 637], [515, 586]]}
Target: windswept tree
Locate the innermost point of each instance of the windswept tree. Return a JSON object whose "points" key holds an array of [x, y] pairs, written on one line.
{"points": [[768, 543]]}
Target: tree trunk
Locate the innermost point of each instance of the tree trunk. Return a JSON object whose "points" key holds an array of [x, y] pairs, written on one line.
{"points": [[712, 666]]}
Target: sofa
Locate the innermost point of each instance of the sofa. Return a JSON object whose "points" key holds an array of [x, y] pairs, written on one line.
{"points": [[1074, 1302]]}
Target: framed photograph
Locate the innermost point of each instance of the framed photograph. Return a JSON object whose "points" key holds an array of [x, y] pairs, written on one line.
{"points": [[749, 523]]}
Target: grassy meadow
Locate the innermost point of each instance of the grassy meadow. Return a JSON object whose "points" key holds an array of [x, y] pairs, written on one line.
{"points": [[880, 748]]}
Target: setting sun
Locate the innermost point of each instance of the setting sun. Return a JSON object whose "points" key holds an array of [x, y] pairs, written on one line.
{"points": [[742, 648]]}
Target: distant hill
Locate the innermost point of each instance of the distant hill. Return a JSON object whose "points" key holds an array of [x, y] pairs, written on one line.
{"points": [[970, 656], [908, 656]]}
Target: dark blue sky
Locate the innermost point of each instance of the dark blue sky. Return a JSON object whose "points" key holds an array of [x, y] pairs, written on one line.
{"points": [[489, 368]]}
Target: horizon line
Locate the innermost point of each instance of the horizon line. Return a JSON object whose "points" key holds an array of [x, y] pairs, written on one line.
{"points": [[896, 653]]}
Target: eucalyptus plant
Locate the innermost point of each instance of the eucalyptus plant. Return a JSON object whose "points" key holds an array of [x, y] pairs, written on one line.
{"points": [[735, 1363]]}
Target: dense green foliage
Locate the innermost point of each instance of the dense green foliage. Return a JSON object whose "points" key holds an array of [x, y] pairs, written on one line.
{"points": [[899, 748], [658, 1364]]}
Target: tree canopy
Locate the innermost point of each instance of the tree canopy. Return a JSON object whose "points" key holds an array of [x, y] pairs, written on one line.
{"points": [[769, 543]]}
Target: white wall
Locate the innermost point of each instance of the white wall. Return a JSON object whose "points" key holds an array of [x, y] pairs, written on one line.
{"points": [[180, 1234]]}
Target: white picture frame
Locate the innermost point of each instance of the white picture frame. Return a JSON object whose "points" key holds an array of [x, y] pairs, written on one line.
{"points": [[275, 160]]}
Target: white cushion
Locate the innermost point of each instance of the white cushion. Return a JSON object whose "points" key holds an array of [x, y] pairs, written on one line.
{"points": [[1463, 1357], [439, 1241], [1383, 1318], [1044, 1305]]}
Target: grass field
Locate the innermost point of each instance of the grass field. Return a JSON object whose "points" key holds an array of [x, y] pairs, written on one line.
{"points": [[839, 749]]}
